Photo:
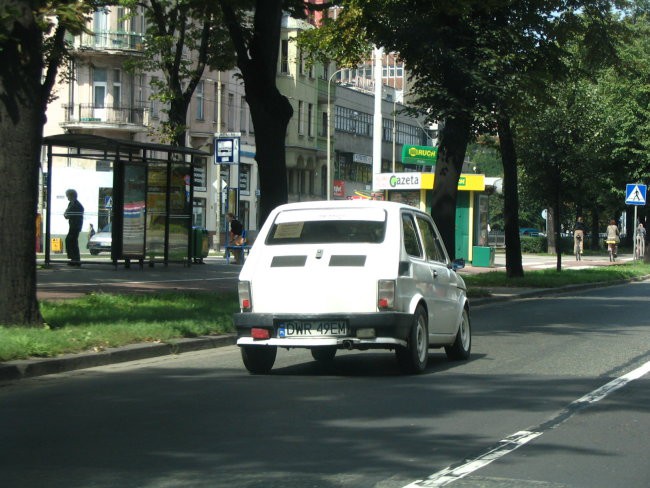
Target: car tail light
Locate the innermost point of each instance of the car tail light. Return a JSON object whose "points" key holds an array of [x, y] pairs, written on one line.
{"points": [[386, 294], [244, 290], [260, 334]]}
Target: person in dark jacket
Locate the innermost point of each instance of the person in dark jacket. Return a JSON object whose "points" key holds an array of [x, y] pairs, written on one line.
{"points": [[236, 237], [75, 215]]}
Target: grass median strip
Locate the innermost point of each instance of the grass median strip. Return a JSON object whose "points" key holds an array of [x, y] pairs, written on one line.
{"points": [[550, 278], [99, 321]]}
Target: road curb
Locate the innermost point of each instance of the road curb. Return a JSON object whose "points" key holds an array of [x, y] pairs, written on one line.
{"points": [[28, 368], [542, 292]]}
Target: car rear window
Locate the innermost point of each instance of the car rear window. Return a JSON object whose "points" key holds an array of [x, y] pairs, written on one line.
{"points": [[328, 226]]}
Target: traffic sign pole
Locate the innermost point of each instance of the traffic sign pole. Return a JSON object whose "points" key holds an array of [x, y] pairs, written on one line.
{"points": [[635, 194]]}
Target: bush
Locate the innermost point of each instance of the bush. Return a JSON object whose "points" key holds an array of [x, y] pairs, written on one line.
{"points": [[533, 245]]}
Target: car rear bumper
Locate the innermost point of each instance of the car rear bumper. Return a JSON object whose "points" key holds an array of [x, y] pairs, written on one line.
{"points": [[389, 329]]}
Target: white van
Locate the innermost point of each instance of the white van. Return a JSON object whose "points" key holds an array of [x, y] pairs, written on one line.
{"points": [[351, 274]]}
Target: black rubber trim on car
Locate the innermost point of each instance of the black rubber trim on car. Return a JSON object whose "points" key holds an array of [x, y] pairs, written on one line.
{"points": [[345, 260], [288, 261]]}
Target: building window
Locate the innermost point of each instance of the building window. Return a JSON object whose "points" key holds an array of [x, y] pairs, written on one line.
{"points": [[352, 121], [242, 114], [231, 112], [284, 56], [200, 98], [301, 117], [310, 116], [117, 88], [100, 78]]}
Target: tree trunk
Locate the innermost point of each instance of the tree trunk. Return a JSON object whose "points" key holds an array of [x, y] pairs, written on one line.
{"points": [[21, 132], [454, 137], [257, 59], [177, 121], [271, 115], [550, 231], [514, 267]]}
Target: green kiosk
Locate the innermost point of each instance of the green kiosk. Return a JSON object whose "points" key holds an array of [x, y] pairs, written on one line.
{"points": [[471, 209]]}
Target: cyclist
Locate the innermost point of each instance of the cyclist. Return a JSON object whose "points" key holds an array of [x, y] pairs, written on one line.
{"points": [[579, 237], [612, 239]]}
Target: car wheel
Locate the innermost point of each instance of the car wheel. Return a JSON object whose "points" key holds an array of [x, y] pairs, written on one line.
{"points": [[94, 252], [413, 358], [323, 354], [258, 359], [462, 346]]}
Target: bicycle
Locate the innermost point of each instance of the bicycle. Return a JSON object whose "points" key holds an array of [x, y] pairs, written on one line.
{"points": [[611, 249], [577, 241]]}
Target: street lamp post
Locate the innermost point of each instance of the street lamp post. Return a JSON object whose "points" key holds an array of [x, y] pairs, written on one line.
{"points": [[329, 135]]}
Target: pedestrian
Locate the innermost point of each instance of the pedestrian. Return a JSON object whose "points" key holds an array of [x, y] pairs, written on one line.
{"points": [[612, 239], [579, 236], [75, 215], [91, 233], [236, 236], [640, 240]]}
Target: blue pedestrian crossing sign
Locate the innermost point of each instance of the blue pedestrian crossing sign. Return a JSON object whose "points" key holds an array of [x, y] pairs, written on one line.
{"points": [[635, 194]]}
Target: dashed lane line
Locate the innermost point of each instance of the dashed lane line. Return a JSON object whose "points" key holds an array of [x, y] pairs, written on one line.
{"points": [[521, 438]]}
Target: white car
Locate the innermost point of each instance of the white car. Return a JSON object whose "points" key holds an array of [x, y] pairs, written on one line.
{"points": [[101, 242], [351, 274]]}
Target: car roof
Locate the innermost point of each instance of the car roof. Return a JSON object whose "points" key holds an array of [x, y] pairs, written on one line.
{"points": [[361, 203]]}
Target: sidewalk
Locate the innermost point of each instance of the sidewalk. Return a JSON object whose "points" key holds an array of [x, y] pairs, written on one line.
{"points": [[61, 282]]}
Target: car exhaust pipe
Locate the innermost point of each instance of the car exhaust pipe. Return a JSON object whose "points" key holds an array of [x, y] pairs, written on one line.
{"points": [[348, 345]]}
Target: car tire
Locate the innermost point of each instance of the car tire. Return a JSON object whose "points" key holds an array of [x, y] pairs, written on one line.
{"points": [[258, 359], [413, 358], [94, 252], [323, 354], [462, 346]]}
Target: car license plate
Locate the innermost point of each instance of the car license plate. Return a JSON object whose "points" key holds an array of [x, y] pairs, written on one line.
{"points": [[316, 328]]}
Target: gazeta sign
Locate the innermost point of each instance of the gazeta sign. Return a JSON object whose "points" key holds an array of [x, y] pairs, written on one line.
{"points": [[424, 181]]}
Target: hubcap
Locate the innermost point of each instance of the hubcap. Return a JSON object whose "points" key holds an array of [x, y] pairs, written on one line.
{"points": [[421, 340]]}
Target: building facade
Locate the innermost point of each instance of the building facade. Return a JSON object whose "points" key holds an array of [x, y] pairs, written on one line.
{"points": [[103, 98]]}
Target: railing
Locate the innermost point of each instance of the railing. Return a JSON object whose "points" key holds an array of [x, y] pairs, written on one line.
{"points": [[108, 114], [129, 41], [497, 239]]}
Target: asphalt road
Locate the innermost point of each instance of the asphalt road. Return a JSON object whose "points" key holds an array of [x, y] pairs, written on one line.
{"points": [[543, 403]]}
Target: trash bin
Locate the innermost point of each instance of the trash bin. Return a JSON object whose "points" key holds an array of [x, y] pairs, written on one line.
{"points": [[56, 244], [483, 256], [200, 244]]}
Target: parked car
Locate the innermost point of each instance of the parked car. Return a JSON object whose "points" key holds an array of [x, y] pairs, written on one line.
{"points": [[101, 241], [351, 274], [529, 231]]}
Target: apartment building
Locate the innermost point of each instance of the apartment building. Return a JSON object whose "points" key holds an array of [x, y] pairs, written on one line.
{"points": [[103, 98]]}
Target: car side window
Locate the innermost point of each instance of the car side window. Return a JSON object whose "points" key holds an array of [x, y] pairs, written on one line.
{"points": [[411, 239], [431, 242], [429, 239]]}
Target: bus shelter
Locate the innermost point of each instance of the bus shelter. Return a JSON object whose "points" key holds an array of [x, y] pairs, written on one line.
{"points": [[142, 192]]}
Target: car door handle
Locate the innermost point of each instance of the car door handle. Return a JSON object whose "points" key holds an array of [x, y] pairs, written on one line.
{"points": [[435, 273]]}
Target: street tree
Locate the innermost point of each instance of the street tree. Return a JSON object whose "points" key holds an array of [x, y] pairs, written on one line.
{"points": [[255, 27], [32, 47], [182, 38], [469, 61]]}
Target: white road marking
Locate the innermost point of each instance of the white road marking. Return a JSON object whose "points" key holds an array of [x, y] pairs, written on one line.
{"points": [[521, 438]]}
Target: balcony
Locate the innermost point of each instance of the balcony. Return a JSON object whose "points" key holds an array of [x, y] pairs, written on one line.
{"points": [[87, 116], [111, 41]]}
